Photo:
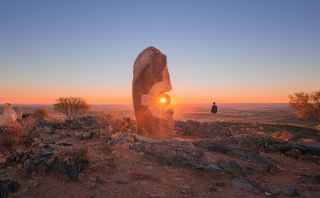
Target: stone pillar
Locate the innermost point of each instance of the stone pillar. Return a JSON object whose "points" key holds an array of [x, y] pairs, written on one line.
{"points": [[151, 82]]}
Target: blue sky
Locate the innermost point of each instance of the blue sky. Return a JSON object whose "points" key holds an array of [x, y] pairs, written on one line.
{"points": [[229, 51]]}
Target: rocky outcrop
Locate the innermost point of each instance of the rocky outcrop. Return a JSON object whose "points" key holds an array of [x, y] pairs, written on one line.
{"points": [[262, 163], [290, 149], [9, 116], [177, 153], [193, 154]]}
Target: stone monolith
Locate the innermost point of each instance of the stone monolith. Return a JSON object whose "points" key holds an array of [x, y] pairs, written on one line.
{"points": [[151, 82]]}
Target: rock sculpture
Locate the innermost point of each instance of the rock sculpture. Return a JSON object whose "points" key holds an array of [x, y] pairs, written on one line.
{"points": [[9, 116], [151, 82]]}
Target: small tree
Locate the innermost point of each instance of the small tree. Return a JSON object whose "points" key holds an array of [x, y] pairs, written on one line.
{"points": [[71, 106], [40, 114], [307, 106]]}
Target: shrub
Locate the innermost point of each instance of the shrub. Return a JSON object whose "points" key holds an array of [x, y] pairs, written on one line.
{"points": [[72, 107], [40, 114], [71, 161], [306, 105]]}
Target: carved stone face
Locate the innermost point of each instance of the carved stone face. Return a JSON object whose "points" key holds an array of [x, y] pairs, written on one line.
{"points": [[151, 81]]}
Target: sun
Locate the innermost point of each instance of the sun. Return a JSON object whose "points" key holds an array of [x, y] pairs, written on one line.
{"points": [[163, 100]]}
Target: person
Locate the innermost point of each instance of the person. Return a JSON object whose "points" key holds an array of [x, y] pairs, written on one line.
{"points": [[214, 108]]}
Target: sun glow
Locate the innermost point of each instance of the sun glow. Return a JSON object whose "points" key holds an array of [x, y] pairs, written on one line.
{"points": [[163, 100]]}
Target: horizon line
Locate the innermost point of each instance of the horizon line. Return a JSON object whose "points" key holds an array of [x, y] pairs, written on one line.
{"points": [[97, 104]]}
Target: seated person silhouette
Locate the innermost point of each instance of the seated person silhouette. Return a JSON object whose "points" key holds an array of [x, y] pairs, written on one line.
{"points": [[214, 108]]}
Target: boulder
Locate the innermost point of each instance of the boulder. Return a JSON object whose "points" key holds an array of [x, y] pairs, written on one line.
{"points": [[9, 116]]}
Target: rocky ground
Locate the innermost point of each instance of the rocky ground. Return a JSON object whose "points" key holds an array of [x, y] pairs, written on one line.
{"points": [[101, 156]]}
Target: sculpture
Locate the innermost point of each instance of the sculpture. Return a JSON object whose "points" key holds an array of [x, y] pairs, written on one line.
{"points": [[151, 82]]}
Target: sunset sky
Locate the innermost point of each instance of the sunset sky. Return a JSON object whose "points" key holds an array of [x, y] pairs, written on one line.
{"points": [[256, 51]]}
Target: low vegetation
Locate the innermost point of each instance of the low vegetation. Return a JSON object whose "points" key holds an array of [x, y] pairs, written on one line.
{"points": [[40, 114], [71, 107], [306, 105]]}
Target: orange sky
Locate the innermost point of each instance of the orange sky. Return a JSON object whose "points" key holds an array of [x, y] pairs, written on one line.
{"points": [[36, 96]]}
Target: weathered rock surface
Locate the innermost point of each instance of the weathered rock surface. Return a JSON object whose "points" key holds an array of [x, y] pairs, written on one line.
{"points": [[287, 148], [151, 80], [193, 154], [232, 167], [263, 163], [173, 152], [240, 183]]}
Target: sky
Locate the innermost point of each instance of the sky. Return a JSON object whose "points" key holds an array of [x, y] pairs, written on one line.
{"points": [[248, 51]]}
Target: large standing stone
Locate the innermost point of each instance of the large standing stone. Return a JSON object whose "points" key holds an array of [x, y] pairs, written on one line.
{"points": [[9, 116], [150, 83]]}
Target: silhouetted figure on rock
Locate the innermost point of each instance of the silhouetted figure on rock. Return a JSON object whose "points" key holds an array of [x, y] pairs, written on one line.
{"points": [[214, 108]]}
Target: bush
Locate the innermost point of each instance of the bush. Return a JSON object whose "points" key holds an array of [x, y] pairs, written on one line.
{"points": [[72, 107], [307, 106], [40, 114]]}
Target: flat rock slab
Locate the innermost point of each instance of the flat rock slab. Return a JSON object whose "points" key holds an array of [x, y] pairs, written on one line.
{"points": [[261, 162], [175, 153]]}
